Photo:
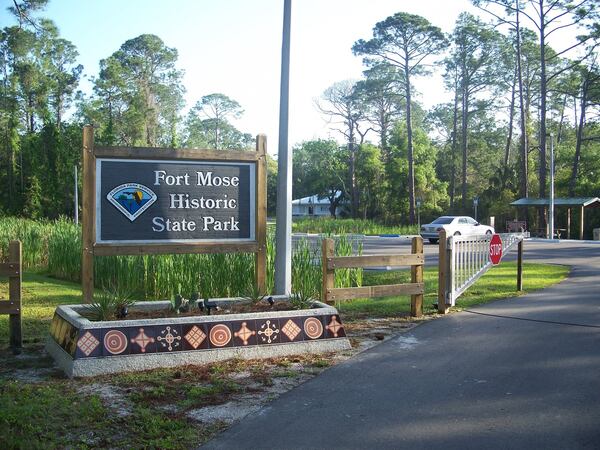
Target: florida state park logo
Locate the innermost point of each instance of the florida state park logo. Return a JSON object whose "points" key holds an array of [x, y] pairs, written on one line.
{"points": [[132, 199]]}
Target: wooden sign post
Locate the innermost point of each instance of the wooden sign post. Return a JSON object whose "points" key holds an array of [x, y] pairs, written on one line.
{"points": [[145, 201]]}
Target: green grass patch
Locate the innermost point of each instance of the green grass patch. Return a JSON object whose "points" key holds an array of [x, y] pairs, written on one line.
{"points": [[41, 296], [46, 416], [499, 282], [54, 415], [327, 225]]}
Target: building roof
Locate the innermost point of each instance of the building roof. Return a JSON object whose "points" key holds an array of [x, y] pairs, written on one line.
{"points": [[588, 202], [314, 200]]}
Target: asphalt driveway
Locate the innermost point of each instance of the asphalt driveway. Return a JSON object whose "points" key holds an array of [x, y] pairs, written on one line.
{"points": [[521, 373]]}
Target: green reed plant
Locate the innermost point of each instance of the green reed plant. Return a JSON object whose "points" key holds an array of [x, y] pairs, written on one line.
{"points": [[349, 226], [33, 234], [55, 247]]}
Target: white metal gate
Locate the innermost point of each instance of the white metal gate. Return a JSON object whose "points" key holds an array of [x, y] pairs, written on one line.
{"points": [[468, 259]]}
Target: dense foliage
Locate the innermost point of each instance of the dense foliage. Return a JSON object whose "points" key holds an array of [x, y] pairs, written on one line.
{"points": [[514, 96]]}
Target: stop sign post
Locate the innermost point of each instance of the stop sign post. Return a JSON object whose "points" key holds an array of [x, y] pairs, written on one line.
{"points": [[495, 249]]}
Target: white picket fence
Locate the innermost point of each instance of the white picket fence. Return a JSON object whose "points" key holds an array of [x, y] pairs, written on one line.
{"points": [[468, 258]]}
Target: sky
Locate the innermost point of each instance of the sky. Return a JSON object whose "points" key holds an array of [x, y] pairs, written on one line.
{"points": [[234, 47]]}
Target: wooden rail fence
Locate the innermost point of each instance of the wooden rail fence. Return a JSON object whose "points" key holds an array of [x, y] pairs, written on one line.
{"points": [[12, 306], [415, 288]]}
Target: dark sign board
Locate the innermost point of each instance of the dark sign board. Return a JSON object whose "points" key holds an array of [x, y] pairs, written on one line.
{"points": [[154, 201]]}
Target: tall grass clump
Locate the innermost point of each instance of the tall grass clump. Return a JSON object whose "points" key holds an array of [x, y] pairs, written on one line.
{"points": [[307, 268], [33, 234], [64, 250], [55, 247], [349, 226]]}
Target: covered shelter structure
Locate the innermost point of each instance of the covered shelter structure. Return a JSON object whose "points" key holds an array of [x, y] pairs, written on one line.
{"points": [[580, 203]]}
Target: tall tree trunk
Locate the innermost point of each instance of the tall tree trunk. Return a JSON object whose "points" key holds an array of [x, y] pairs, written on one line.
{"points": [[577, 157], [511, 115], [411, 169], [353, 186], [383, 138], [30, 113], [10, 163], [464, 144], [523, 145], [561, 121], [543, 95], [453, 147]]}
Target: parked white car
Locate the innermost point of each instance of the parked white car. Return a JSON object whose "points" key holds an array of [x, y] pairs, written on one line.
{"points": [[454, 226]]}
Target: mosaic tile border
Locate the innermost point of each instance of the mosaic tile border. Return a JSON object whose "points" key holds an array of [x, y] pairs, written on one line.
{"points": [[147, 339]]}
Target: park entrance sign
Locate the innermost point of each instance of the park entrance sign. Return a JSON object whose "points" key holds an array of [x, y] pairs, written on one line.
{"points": [[148, 201], [495, 249], [140, 201]]}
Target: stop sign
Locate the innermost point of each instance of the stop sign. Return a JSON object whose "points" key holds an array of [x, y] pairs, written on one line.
{"points": [[495, 249]]}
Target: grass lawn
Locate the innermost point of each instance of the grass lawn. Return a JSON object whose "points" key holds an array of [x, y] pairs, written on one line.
{"points": [[41, 295], [499, 282], [153, 408]]}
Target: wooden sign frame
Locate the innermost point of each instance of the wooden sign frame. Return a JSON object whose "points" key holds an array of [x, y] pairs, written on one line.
{"points": [[91, 248]]}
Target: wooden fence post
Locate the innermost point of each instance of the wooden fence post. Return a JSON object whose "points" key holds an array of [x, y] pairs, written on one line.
{"points": [[442, 273], [327, 249], [520, 266], [88, 228], [416, 276], [14, 282], [260, 264]]}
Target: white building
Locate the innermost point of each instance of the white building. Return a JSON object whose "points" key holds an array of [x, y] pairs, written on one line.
{"points": [[313, 206]]}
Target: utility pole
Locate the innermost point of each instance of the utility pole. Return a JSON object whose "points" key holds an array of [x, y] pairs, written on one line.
{"points": [[283, 234]]}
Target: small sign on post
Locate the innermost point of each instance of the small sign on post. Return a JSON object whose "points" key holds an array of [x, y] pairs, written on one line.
{"points": [[495, 249]]}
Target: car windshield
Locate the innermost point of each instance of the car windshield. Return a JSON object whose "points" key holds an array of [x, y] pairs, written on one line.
{"points": [[443, 220]]}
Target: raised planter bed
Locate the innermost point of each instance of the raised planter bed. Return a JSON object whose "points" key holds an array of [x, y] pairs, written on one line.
{"points": [[84, 348]]}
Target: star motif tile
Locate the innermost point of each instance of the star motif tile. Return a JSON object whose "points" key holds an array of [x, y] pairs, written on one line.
{"points": [[244, 333], [142, 340], [169, 339], [335, 328], [268, 331]]}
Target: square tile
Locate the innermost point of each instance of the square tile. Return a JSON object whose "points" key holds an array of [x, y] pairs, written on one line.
{"points": [[53, 325], [89, 344], [244, 333], [168, 338], [334, 327], [291, 329], [115, 342], [268, 331], [195, 336], [60, 331], [70, 341], [313, 328], [142, 339], [220, 335]]}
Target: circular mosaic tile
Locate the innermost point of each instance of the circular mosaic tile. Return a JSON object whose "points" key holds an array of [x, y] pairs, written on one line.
{"points": [[115, 342], [220, 335], [313, 328]]}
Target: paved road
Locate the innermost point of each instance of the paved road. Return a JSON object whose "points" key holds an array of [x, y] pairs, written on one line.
{"points": [[522, 373], [535, 250]]}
